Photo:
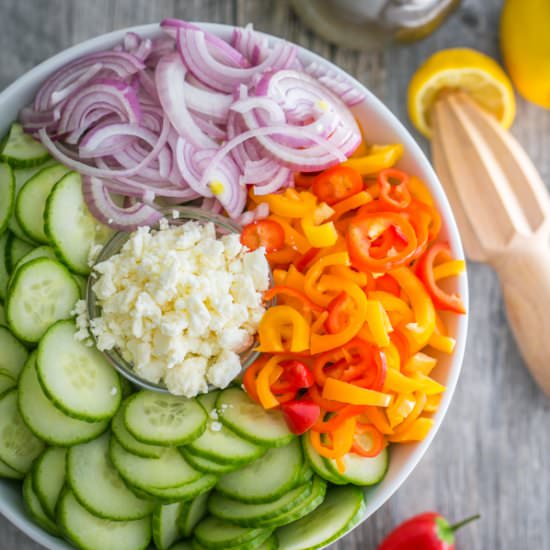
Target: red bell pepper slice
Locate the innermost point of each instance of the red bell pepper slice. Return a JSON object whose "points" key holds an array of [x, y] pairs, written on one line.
{"points": [[266, 233], [300, 415], [441, 299], [339, 311], [393, 188], [337, 183]]}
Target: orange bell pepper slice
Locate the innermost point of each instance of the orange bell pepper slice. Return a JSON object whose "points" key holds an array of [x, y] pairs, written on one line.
{"points": [[273, 322], [336, 390]]}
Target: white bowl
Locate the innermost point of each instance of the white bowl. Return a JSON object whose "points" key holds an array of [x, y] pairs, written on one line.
{"points": [[381, 127]]}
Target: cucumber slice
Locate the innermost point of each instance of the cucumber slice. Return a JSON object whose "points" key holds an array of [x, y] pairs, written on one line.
{"points": [[97, 485], [251, 421], [185, 492], [19, 149], [7, 195], [31, 200], [306, 473], [164, 419], [75, 377], [69, 226], [7, 382], [3, 320], [317, 462], [205, 465], [165, 525], [262, 542], [129, 442], [18, 446], [49, 478], [41, 293], [34, 508], [4, 275], [45, 420], [302, 509], [22, 175], [82, 283], [340, 511], [9, 473], [183, 545], [251, 515], [38, 252], [191, 513], [169, 471], [89, 532], [220, 444], [15, 250], [216, 534], [361, 470], [14, 354], [279, 470]]}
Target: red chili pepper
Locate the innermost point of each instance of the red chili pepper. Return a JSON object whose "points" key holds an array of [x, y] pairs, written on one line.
{"points": [[337, 183], [266, 233], [441, 300], [428, 531], [300, 415]]}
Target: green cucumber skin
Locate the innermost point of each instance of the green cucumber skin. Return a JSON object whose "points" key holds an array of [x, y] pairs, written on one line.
{"points": [[158, 528], [348, 480], [20, 273], [237, 428], [319, 468], [11, 198], [38, 489], [15, 162], [254, 544], [188, 508], [199, 430], [216, 469], [30, 499], [247, 535]]}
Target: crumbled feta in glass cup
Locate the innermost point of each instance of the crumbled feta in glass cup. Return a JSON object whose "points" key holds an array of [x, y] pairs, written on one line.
{"points": [[141, 359]]}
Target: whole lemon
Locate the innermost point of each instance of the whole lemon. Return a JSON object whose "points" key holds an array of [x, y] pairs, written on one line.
{"points": [[525, 45]]}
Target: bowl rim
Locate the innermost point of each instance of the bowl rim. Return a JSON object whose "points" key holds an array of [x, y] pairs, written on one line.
{"points": [[380, 494]]}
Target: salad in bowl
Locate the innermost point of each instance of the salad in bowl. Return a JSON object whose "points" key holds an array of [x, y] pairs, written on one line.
{"points": [[233, 296]]}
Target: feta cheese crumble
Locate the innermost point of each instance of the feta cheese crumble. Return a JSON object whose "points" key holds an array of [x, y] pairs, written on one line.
{"points": [[180, 304]]}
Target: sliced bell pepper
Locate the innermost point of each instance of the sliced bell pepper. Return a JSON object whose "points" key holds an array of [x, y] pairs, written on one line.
{"points": [[273, 321], [417, 431], [266, 233], [377, 417], [419, 362], [378, 158], [379, 323], [336, 390], [397, 382], [305, 259], [368, 442], [327, 405], [428, 385], [320, 343], [439, 339], [400, 408], [394, 191], [263, 382], [419, 332], [452, 268], [318, 235], [294, 293], [295, 279], [295, 376], [336, 184], [279, 276], [351, 203], [288, 204], [425, 270], [339, 311], [364, 231], [432, 403], [386, 284], [392, 303], [292, 238], [419, 191], [360, 279], [338, 418], [314, 273], [300, 415], [281, 257], [250, 376], [341, 439], [420, 398]]}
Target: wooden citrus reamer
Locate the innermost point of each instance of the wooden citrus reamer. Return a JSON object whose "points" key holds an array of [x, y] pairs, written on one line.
{"points": [[502, 209]]}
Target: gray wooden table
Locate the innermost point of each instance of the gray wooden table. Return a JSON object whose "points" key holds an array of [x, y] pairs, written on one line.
{"points": [[492, 454]]}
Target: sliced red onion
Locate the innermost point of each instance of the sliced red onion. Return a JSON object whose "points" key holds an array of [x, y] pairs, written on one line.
{"points": [[160, 46], [170, 77], [218, 48], [137, 46], [104, 95], [198, 59], [102, 206], [210, 204], [208, 127], [337, 83], [212, 105], [250, 44], [273, 184], [261, 211], [75, 74]]}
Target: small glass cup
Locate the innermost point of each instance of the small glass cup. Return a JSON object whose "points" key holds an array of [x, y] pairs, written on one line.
{"points": [[114, 244]]}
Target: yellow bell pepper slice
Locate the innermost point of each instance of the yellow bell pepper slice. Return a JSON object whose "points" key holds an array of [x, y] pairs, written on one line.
{"points": [[419, 190], [399, 383], [351, 203], [360, 279], [325, 342], [376, 416], [400, 409], [289, 204], [279, 276], [419, 362], [379, 323], [449, 269], [418, 332], [378, 158], [418, 431], [428, 385], [336, 390], [393, 359], [264, 381], [419, 405], [393, 304], [314, 273], [271, 330], [293, 238], [432, 403], [318, 236], [295, 279]]}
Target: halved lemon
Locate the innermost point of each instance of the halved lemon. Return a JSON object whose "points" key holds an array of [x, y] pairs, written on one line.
{"points": [[466, 70]]}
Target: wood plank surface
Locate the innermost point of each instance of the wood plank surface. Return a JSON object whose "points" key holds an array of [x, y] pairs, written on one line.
{"points": [[492, 453]]}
